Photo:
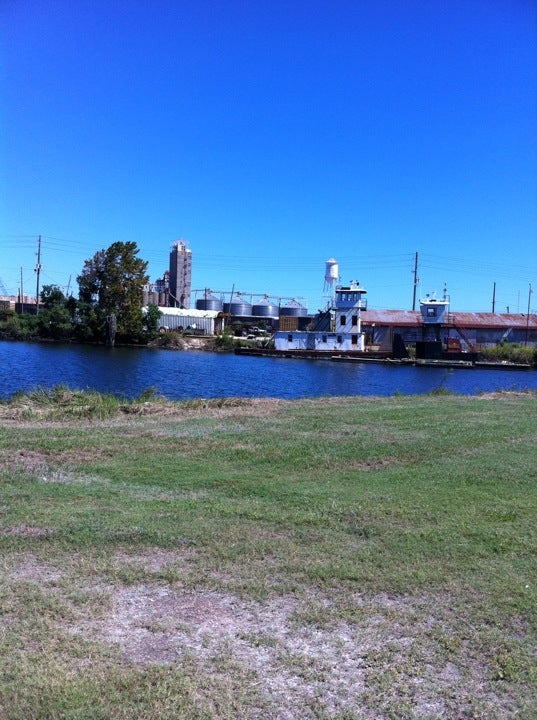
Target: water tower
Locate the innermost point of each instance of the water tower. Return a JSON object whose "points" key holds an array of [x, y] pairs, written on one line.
{"points": [[331, 275]]}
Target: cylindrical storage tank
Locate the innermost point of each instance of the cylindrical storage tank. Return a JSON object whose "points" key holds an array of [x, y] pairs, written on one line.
{"points": [[331, 271], [209, 302], [145, 298], [238, 308], [162, 299], [293, 309], [264, 308]]}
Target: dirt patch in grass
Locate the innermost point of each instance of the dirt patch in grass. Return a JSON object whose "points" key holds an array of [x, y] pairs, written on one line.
{"points": [[368, 465], [405, 655], [153, 560], [23, 459], [32, 569], [42, 461], [26, 531]]}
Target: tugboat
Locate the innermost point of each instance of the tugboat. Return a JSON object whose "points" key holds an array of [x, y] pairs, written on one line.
{"points": [[438, 345], [337, 330]]}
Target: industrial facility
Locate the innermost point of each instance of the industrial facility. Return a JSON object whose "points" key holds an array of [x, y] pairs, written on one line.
{"points": [[214, 309], [347, 324]]}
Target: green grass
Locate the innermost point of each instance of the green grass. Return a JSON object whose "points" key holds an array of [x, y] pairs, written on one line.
{"points": [[335, 558]]}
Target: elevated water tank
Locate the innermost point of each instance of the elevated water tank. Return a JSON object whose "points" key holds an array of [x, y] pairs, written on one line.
{"points": [[209, 302], [331, 272], [264, 308], [293, 309]]}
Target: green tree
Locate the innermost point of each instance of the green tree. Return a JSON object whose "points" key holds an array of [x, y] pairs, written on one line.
{"points": [[52, 295], [152, 321], [55, 320], [111, 284]]}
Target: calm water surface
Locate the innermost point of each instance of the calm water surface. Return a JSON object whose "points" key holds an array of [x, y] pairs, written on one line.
{"points": [[184, 375]]}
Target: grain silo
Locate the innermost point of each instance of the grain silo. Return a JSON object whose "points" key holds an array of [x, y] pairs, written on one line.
{"points": [[293, 316], [238, 308], [265, 309], [293, 309], [209, 302]]}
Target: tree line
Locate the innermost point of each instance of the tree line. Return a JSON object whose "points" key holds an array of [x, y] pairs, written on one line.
{"points": [[108, 308]]}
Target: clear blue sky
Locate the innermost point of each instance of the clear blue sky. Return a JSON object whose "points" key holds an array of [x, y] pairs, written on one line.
{"points": [[271, 135]]}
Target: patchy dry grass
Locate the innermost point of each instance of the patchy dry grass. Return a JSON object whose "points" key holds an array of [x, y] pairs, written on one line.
{"points": [[257, 559]]}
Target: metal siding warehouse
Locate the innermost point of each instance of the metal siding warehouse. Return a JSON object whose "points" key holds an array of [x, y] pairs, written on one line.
{"points": [[205, 322], [484, 328]]}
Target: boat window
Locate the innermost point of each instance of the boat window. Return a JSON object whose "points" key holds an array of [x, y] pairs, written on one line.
{"points": [[431, 312], [354, 320], [323, 338], [343, 320], [289, 338], [339, 339]]}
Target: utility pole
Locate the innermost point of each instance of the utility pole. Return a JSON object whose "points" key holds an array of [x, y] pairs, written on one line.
{"points": [[528, 315], [493, 297], [22, 296], [38, 270], [416, 281]]}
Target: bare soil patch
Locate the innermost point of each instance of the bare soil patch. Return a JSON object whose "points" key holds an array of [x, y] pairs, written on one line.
{"points": [[23, 459], [395, 649], [27, 531], [153, 560], [32, 569]]}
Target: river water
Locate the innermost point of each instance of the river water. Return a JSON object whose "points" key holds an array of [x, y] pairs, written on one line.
{"points": [[181, 375]]}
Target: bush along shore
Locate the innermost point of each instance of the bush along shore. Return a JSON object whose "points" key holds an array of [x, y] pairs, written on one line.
{"points": [[338, 558]]}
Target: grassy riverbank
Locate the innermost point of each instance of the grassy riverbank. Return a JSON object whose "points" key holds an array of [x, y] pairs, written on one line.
{"points": [[342, 558]]}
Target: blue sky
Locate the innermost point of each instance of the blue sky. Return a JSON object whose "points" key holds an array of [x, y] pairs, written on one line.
{"points": [[272, 135]]}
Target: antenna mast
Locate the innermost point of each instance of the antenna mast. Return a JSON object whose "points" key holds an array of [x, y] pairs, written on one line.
{"points": [[38, 270]]}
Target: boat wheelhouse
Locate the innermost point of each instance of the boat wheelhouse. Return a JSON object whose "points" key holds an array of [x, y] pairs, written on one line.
{"points": [[339, 329]]}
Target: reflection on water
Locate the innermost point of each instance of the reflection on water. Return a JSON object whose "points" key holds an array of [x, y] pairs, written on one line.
{"points": [[180, 375]]}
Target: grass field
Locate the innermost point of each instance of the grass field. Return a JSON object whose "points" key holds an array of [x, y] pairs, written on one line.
{"points": [[356, 558]]}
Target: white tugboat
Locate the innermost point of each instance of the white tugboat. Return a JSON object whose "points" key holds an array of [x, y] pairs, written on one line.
{"points": [[339, 328]]}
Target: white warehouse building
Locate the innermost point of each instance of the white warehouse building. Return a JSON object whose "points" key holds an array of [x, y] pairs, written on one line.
{"points": [[203, 322]]}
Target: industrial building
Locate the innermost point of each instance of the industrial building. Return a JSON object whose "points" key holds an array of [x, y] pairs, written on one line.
{"points": [[199, 322], [180, 276], [472, 329]]}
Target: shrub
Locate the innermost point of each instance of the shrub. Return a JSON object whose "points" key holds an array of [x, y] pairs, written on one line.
{"points": [[510, 352]]}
